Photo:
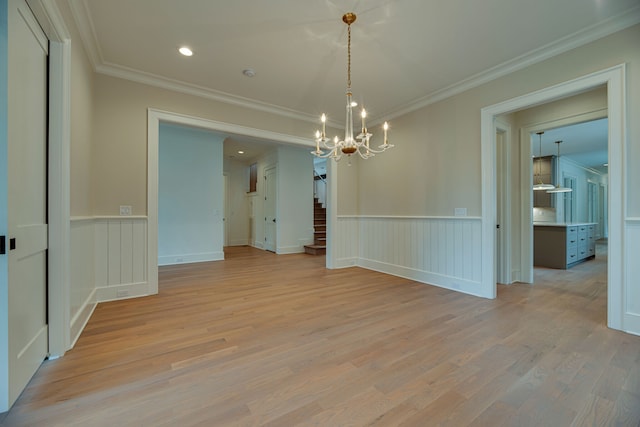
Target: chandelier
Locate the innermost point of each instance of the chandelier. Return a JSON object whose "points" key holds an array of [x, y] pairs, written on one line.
{"points": [[350, 144]]}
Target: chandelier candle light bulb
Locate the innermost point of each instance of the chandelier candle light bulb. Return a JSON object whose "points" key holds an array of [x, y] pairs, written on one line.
{"points": [[350, 144]]}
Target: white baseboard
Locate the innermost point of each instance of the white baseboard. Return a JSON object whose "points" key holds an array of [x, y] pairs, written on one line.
{"points": [[285, 250], [123, 291], [190, 258], [439, 280], [346, 262], [81, 318], [239, 242]]}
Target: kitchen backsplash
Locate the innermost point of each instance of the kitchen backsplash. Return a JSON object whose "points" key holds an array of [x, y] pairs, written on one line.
{"points": [[544, 215]]}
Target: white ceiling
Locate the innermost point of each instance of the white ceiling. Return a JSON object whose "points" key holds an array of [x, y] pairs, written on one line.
{"points": [[405, 53], [585, 143]]}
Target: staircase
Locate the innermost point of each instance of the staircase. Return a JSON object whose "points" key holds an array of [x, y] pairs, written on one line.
{"points": [[319, 246]]}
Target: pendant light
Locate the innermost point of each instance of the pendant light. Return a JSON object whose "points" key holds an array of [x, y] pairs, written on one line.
{"points": [[558, 188], [541, 185]]}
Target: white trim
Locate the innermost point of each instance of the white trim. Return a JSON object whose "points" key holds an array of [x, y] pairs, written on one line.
{"points": [[80, 320], [583, 167], [190, 258], [286, 250], [426, 277], [331, 254], [59, 254], [586, 35], [85, 26], [411, 217], [110, 217], [150, 79], [614, 78], [50, 20], [231, 128], [580, 38], [505, 275], [345, 263], [110, 293]]}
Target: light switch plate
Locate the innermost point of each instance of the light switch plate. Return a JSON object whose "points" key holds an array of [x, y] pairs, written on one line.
{"points": [[460, 211]]}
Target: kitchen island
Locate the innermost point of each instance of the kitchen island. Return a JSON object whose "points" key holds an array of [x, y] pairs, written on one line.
{"points": [[560, 245]]}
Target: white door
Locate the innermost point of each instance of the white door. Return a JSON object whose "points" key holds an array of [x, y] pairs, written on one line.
{"points": [[270, 209], [27, 197]]}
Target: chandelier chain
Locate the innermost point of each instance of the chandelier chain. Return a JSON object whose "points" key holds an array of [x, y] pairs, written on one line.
{"points": [[349, 56]]}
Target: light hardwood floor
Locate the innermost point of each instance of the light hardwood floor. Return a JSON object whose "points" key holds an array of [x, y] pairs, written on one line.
{"points": [[271, 340]]}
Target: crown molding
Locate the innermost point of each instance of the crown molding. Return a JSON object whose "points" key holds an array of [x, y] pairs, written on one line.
{"points": [[203, 92], [84, 23], [50, 19], [79, 10], [586, 35]]}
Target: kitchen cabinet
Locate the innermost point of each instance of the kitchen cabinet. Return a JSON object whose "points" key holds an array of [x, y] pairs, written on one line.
{"points": [[563, 245]]}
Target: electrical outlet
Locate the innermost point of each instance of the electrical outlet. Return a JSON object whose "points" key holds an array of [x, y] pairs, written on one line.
{"points": [[125, 210], [460, 211], [122, 293]]}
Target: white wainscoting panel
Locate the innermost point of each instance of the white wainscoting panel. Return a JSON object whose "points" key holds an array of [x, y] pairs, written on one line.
{"points": [[442, 251], [346, 246], [631, 292], [120, 257], [82, 289]]}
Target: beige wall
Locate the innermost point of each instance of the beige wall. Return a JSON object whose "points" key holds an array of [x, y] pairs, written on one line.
{"points": [[120, 136], [434, 168], [440, 144], [348, 185], [82, 101]]}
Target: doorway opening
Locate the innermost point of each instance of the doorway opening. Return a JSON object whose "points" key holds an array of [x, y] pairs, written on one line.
{"points": [[613, 79], [154, 119]]}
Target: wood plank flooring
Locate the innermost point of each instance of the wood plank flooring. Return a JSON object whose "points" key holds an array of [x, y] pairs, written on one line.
{"points": [[267, 340]]}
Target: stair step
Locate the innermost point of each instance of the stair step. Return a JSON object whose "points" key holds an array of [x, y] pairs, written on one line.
{"points": [[315, 249]]}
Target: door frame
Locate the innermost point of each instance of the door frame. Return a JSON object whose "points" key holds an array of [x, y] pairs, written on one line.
{"points": [[271, 169], [614, 79], [59, 188], [503, 243]]}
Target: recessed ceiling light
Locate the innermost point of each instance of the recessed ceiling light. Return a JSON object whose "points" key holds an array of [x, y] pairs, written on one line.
{"points": [[249, 72], [185, 51], [240, 152]]}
